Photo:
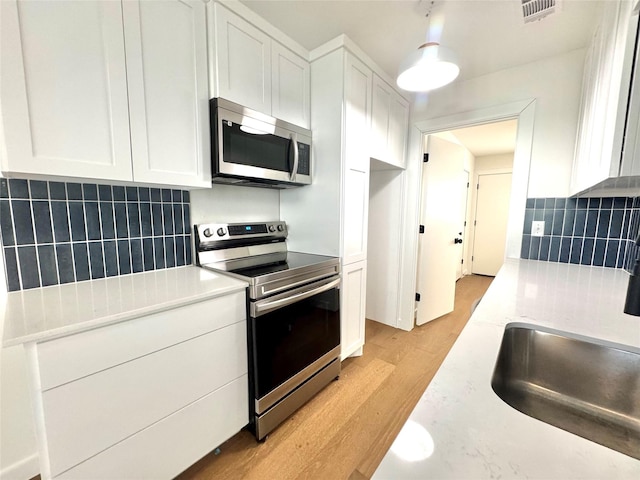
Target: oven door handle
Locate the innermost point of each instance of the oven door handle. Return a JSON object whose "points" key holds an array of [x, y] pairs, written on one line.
{"points": [[263, 308]]}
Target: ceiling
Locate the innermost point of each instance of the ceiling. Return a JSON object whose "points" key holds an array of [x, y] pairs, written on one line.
{"points": [[486, 35], [489, 139]]}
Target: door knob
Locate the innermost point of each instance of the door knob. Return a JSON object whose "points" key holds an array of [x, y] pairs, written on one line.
{"points": [[457, 240]]}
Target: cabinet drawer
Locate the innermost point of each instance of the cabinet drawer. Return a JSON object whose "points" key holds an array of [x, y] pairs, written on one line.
{"points": [[85, 417], [69, 358], [173, 444]]}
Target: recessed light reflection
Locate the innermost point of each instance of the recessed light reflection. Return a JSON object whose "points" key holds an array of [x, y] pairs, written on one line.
{"points": [[413, 443]]}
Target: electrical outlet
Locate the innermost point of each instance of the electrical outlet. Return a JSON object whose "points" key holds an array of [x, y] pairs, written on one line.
{"points": [[537, 228]]}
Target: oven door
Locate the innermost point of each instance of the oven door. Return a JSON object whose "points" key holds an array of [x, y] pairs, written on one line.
{"points": [[293, 336]]}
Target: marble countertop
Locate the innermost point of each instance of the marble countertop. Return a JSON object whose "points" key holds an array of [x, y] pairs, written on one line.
{"points": [[471, 431], [45, 313]]}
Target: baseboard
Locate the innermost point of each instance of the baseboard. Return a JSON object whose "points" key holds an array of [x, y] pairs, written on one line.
{"points": [[22, 470]]}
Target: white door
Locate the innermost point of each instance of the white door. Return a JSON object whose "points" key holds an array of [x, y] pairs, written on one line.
{"points": [[64, 89], [438, 254], [168, 91], [462, 222], [492, 215]]}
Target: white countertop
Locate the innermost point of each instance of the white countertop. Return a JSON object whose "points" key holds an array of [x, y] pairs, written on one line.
{"points": [[475, 434], [45, 313]]}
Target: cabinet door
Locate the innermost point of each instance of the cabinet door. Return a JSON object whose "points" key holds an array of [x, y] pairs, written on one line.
{"points": [[605, 94], [168, 91], [398, 129], [357, 113], [243, 61], [290, 76], [64, 93], [352, 308], [380, 116], [355, 213]]}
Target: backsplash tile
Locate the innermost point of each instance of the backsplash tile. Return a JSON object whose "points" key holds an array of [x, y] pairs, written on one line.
{"points": [[54, 232], [586, 231]]}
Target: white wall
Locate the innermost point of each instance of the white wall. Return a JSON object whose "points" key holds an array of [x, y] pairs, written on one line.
{"points": [[495, 162], [229, 203], [554, 82]]}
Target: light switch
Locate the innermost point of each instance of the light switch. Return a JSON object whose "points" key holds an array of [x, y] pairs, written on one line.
{"points": [[537, 228]]}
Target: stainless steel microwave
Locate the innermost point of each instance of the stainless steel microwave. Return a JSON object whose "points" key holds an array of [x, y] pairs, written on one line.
{"points": [[254, 149]]}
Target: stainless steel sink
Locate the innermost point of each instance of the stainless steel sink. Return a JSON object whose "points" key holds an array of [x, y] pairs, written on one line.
{"points": [[583, 385]]}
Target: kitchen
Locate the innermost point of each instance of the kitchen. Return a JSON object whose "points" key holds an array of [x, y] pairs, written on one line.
{"points": [[557, 101]]}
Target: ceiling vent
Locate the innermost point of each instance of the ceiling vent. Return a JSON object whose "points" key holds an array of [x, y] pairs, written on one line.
{"points": [[533, 10]]}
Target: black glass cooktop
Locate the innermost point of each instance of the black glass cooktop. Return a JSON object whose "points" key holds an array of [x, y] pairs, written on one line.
{"points": [[295, 261]]}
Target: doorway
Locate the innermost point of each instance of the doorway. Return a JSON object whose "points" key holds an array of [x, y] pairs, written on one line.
{"points": [[446, 252]]}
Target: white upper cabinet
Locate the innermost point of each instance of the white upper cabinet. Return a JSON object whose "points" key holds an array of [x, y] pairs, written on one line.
{"points": [[290, 81], [357, 113], [605, 96], [243, 55], [252, 69], [166, 46], [398, 130], [64, 89], [106, 90], [389, 123], [380, 113], [631, 146]]}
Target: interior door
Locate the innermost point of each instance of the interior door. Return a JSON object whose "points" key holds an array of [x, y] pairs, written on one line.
{"points": [[492, 216], [438, 255], [461, 239]]}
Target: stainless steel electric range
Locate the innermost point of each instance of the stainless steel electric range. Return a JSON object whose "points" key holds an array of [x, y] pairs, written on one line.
{"points": [[293, 314]]}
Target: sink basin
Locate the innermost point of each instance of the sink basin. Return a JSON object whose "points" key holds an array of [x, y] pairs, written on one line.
{"points": [[583, 385]]}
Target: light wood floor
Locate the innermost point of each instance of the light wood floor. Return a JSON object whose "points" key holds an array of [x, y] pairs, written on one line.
{"points": [[345, 430]]}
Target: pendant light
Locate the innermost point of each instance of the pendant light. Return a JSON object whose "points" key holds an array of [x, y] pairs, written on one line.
{"points": [[431, 66]]}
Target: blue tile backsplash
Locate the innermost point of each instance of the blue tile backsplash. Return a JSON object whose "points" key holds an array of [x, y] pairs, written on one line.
{"points": [[586, 231], [54, 232]]}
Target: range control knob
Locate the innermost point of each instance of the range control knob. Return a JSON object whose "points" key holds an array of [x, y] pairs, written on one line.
{"points": [[272, 228], [221, 232], [207, 232], [280, 228]]}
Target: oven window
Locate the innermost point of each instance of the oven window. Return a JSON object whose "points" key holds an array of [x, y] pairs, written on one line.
{"points": [[289, 339], [264, 151]]}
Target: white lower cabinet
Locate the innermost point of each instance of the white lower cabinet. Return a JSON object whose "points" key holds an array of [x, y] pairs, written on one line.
{"points": [[152, 410], [352, 308], [155, 452]]}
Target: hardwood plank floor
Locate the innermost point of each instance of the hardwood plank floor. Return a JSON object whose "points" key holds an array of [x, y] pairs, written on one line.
{"points": [[345, 431]]}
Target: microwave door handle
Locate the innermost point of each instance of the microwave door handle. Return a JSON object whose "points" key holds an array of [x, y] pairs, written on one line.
{"points": [[294, 142], [261, 308]]}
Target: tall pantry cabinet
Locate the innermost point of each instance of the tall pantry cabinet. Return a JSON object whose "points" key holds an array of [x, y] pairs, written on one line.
{"points": [[334, 219]]}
